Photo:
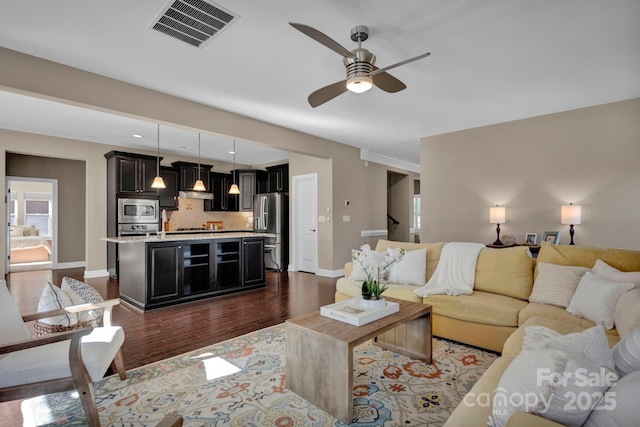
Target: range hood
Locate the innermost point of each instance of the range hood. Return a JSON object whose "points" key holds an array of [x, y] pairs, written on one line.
{"points": [[196, 195]]}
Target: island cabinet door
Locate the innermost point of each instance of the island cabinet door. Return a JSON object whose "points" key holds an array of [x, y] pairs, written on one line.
{"points": [[253, 261], [164, 275], [228, 270]]}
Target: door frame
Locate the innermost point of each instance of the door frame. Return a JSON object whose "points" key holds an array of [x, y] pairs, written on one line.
{"points": [[297, 180], [54, 218]]}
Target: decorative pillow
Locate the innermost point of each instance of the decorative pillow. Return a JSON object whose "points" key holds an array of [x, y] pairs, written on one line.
{"points": [[626, 316], [604, 270], [411, 269], [17, 231], [591, 344], [53, 298], [596, 299], [626, 353], [547, 382], [619, 406], [555, 284], [81, 293]]}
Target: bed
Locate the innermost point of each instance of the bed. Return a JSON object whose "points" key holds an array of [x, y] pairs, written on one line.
{"points": [[26, 246]]}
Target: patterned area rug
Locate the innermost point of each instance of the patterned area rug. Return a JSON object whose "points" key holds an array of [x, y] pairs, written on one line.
{"points": [[389, 389]]}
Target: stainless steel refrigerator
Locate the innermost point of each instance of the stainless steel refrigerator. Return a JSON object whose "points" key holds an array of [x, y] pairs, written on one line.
{"points": [[271, 215]]}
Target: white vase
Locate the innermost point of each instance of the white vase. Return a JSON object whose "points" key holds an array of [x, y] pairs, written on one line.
{"points": [[373, 303]]}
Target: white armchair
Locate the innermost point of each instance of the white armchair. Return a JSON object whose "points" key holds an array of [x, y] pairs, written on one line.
{"points": [[56, 362]]}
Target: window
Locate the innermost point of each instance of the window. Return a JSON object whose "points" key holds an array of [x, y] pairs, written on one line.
{"points": [[37, 211], [416, 212]]}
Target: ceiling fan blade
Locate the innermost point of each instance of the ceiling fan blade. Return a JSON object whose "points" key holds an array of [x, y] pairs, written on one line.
{"points": [[327, 93], [406, 61], [322, 39], [387, 82]]}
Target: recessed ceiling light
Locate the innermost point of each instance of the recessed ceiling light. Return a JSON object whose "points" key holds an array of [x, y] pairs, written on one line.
{"points": [[185, 147], [232, 152], [135, 135]]}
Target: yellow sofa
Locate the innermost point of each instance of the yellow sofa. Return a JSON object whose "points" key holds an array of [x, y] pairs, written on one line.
{"points": [[496, 314]]}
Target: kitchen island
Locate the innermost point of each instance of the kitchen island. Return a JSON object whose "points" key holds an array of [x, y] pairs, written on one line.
{"points": [[156, 270]]}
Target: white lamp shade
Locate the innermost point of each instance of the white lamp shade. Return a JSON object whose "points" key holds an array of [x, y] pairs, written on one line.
{"points": [[359, 84], [497, 215], [234, 189], [199, 186], [571, 214], [158, 182]]}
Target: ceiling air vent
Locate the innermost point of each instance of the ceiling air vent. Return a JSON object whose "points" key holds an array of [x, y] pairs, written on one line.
{"points": [[193, 21]]}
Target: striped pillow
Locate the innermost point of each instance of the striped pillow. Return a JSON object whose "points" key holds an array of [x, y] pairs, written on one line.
{"points": [[54, 298], [556, 284]]}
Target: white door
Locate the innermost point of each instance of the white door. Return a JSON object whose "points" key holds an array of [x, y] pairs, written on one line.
{"points": [[305, 227]]}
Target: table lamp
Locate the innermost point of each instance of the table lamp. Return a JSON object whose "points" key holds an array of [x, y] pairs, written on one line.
{"points": [[571, 215], [497, 216]]}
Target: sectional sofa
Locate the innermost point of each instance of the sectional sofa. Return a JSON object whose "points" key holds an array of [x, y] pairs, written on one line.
{"points": [[497, 313]]}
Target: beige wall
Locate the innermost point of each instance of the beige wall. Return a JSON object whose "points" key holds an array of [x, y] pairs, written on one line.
{"points": [[533, 166]]}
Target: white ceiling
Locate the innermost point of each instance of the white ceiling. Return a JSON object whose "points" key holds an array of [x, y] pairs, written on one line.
{"points": [[492, 61]]}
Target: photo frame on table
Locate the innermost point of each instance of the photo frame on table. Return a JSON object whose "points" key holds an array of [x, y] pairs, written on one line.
{"points": [[552, 237], [530, 239]]}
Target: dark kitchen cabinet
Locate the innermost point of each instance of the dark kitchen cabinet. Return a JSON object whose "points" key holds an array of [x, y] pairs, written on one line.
{"points": [[197, 272], [278, 178], [164, 276], [222, 200], [253, 261], [169, 195], [228, 268], [132, 174], [188, 173]]}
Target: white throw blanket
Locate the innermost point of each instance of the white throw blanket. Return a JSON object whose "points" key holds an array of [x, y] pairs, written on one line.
{"points": [[456, 270]]}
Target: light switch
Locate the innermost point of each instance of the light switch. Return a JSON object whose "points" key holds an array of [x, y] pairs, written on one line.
{"points": [[346, 218], [321, 218]]}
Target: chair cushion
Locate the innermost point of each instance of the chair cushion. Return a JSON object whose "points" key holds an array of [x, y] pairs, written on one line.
{"points": [[479, 307], [51, 361], [11, 323]]}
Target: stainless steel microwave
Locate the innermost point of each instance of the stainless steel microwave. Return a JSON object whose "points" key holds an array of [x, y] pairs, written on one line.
{"points": [[138, 211]]}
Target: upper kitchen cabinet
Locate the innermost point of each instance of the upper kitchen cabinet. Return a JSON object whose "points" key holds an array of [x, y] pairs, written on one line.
{"points": [[189, 175], [278, 178], [131, 174], [248, 182], [169, 195], [222, 200]]}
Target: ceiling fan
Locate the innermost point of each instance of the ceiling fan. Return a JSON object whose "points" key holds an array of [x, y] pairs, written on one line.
{"points": [[362, 74]]}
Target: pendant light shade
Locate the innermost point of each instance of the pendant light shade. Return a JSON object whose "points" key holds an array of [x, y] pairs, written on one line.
{"points": [[199, 185], [234, 187], [158, 182]]}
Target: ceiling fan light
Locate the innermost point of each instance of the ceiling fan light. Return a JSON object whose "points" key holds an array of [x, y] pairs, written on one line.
{"points": [[158, 182], [234, 189], [359, 84], [199, 186]]}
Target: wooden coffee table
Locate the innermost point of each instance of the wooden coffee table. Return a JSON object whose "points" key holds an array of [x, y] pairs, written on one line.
{"points": [[319, 352]]}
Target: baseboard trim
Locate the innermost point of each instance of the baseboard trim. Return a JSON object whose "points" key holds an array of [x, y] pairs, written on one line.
{"points": [[75, 264], [330, 273], [90, 274]]}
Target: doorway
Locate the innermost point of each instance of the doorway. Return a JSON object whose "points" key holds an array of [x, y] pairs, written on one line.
{"points": [[305, 223], [32, 223], [399, 200]]}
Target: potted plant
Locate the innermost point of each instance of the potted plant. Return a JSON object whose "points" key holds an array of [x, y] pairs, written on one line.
{"points": [[375, 265]]}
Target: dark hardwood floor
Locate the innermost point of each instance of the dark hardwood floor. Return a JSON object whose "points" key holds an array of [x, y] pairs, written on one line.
{"points": [[158, 334]]}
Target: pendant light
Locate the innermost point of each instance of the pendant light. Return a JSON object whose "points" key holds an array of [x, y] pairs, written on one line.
{"points": [[199, 185], [234, 187], [158, 182]]}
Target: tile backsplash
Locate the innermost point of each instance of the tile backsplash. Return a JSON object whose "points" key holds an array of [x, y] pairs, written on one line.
{"points": [[191, 213]]}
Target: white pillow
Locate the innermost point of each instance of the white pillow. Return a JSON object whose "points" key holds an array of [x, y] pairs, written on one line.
{"points": [[555, 284], [626, 353], [547, 382], [619, 407], [411, 269], [591, 344], [626, 316], [596, 299], [17, 231], [81, 293], [604, 270], [54, 298]]}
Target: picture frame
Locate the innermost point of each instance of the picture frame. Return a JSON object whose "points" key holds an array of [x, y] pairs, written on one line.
{"points": [[552, 237], [530, 239]]}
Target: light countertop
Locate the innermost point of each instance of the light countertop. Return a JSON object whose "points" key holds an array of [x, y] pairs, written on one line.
{"points": [[180, 237]]}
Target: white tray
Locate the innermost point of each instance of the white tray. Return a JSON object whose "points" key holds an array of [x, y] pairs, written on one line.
{"points": [[354, 312]]}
